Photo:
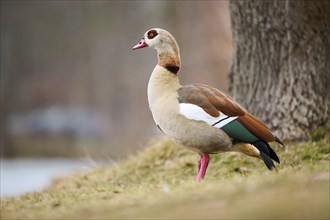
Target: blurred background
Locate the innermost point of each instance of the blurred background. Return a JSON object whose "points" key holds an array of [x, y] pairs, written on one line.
{"points": [[71, 86], [70, 80]]}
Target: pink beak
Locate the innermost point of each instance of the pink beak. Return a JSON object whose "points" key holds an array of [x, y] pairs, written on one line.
{"points": [[141, 44]]}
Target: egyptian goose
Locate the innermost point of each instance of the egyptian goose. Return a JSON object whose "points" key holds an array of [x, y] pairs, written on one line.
{"points": [[198, 116]]}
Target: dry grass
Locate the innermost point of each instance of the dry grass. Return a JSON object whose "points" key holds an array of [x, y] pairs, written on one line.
{"points": [[159, 183]]}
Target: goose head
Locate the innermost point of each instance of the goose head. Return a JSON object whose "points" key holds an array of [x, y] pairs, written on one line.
{"points": [[165, 44], [158, 39]]}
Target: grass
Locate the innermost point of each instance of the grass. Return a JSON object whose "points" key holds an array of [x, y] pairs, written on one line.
{"points": [[158, 183], [59, 146]]}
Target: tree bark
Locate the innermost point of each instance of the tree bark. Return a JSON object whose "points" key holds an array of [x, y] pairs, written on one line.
{"points": [[281, 66]]}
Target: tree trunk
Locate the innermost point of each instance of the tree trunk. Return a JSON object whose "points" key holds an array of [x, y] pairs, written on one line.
{"points": [[281, 63]]}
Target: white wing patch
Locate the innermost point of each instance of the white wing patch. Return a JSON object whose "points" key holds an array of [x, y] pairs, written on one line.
{"points": [[194, 112]]}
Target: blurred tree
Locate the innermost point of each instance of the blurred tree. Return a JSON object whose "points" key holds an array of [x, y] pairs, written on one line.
{"points": [[281, 63]]}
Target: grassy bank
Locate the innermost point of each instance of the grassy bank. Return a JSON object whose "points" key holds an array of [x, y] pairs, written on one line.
{"points": [[159, 183]]}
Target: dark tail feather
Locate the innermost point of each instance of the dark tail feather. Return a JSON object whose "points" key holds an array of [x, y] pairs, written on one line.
{"points": [[264, 147], [272, 154], [279, 141], [269, 163]]}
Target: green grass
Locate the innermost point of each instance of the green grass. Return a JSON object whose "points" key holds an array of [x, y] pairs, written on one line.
{"points": [[159, 183]]}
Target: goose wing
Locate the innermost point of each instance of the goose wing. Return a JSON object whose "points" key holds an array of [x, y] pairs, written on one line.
{"points": [[204, 103]]}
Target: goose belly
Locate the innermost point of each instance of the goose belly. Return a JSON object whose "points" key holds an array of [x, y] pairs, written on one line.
{"points": [[197, 135]]}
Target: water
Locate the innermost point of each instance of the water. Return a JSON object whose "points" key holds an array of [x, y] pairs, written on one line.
{"points": [[27, 175]]}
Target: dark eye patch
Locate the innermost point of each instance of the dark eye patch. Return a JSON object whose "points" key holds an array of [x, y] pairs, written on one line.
{"points": [[151, 34]]}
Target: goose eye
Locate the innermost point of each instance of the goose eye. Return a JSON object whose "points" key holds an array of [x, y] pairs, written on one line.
{"points": [[151, 34]]}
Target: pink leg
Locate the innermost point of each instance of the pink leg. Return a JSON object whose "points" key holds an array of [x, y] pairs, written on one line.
{"points": [[202, 166]]}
